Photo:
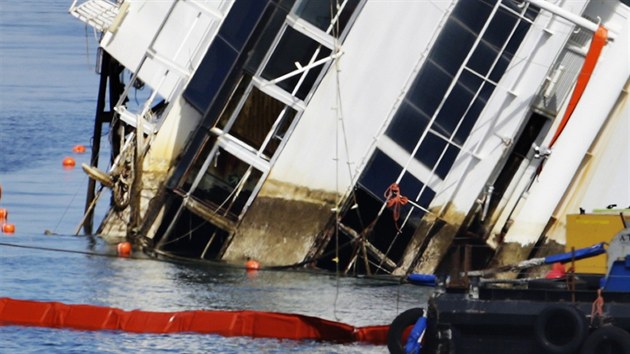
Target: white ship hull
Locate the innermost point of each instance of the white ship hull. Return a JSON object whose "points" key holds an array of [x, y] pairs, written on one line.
{"points": [[273, 129]]}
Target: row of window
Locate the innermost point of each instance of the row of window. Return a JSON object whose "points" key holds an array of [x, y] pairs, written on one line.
{"points": [[250, 90], [443, 103]]}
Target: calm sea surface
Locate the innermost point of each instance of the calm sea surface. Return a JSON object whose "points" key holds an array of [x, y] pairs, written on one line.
{"points": [[48, 88]]}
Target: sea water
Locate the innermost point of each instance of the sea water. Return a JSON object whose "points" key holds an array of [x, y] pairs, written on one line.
{"points": [[48, 90]]}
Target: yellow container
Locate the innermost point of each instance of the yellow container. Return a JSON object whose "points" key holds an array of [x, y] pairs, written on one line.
{"points": [[584, 230]]}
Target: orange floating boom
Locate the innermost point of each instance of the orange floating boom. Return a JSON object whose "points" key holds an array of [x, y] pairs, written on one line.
{"points": [[226, 323]]}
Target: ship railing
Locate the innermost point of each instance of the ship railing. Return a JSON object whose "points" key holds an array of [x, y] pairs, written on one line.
{"points": [[100, 14]]}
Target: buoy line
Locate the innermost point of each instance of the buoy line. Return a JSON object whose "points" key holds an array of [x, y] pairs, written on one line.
{"points": [[174, 259], [66, 250]]}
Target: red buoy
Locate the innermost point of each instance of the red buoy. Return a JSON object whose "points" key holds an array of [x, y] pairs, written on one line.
{"points": [[79, 149], [68, 162], [4, 214], [124, 249], [8, 228], [252, 264]]}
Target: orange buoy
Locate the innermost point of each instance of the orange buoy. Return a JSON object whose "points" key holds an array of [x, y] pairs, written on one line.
{"points": [[252, 264], [79, 149], [8, 228], [124, 249], [68, 162], [4, 214]]}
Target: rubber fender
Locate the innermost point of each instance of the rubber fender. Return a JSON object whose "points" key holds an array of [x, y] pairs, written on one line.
{"points": [[607, 340], [560, 329], [403, 322]]}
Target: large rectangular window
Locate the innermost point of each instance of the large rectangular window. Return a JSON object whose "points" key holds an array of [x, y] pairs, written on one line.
{"points": [[325, 14], [468, 58], [223, 53]]}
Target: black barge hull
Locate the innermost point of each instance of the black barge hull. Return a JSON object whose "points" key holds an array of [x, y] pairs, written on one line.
{"points": [[526, 321]]}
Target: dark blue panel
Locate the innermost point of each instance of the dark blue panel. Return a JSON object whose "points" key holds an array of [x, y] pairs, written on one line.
{"points": [[380, 172], [294, 47], [210, 75], [444, 167], [492, 41], [429, 88], [473, 13], [510, 50], [241, 20], [407, 126], [410, 187], [430, 150], [318, 13], [267, 35], [457, 103], [452, 46]]}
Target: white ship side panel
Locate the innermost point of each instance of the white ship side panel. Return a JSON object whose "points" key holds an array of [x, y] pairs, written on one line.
{"points": [[133, 36], [607, 81], [506, 110], [380, 54], [178, 48], [170, 140], [605, 176], [610, 184]]}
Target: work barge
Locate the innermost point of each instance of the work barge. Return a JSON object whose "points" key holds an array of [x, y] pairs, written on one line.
{"points": [[366, 137]]}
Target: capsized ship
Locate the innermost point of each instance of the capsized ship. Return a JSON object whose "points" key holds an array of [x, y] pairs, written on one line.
{"points": [[358, 136]]}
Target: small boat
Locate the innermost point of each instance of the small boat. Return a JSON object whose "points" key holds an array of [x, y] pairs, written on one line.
{"points": [[561, 313]]}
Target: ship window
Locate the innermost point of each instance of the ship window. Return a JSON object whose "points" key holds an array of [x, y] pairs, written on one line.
{"points": [[222, 55], [429, 88], [430, 150], [267, 37], [261, 122], [457, 103], [241, 21], [510, 49], [492, 41], [450, 57], [186, 177], [210, 74], [434, 149], [318, 13], [295, 49], [256, 118], [407, 125], [382, 171], [460, 108], [226, 184], [473, 13]]}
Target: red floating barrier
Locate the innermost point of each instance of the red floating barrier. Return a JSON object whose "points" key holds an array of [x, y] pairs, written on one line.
{"points": [[226, 323]]}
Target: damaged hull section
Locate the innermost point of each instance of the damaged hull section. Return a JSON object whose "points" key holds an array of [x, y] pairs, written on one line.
{"points": [[352, 135]]}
